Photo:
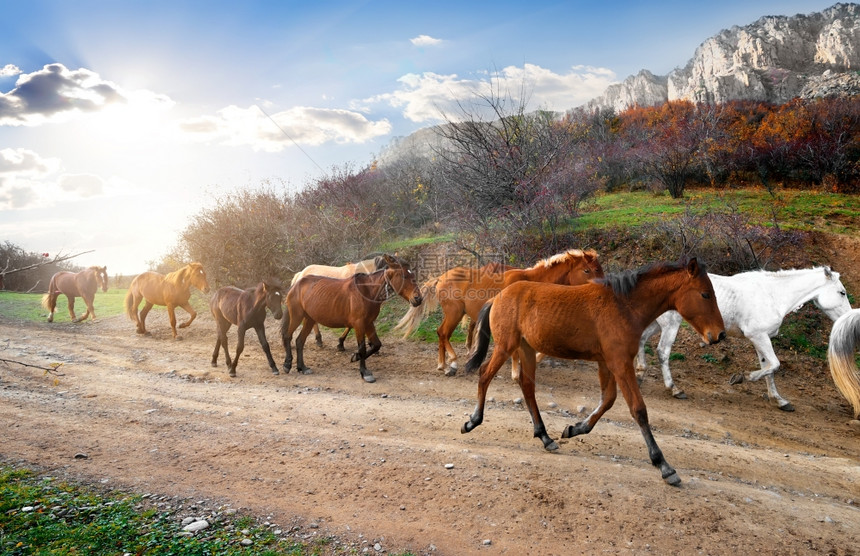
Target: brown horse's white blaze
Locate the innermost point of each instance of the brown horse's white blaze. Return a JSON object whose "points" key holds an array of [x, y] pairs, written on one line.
{"points": [[246, 309], [171, 290], [600, 321], [463, 291], [82, 284], [340, 303]]}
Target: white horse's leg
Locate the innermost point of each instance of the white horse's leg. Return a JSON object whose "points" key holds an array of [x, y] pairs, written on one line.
{"points": [[671, 323], [640, 364], [769, 365]]}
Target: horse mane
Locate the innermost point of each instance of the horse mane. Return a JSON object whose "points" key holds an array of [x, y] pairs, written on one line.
{"points": [[623, 283], [564, 256], [181, 276]]}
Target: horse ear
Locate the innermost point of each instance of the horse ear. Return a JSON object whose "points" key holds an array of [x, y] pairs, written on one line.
{"points": [[828, 273], [693, 267]]}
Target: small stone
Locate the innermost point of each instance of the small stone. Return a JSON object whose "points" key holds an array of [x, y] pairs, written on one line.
{"points": [[377, 547], [246, 542], [449, 466], [81, 455], [28, 509], [518, 401], [487, 542], [196, 526], [552, 405], [188, 520]]}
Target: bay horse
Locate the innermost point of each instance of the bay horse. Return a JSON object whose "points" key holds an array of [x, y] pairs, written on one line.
{"points": [[753, 305], [82, 284], [844, 339], [352, 302], [171, 290], [463, 291], [600, 321], [366, 267], [246, 309]]}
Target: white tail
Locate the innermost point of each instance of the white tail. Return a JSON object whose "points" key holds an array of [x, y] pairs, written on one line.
{"points": [[415, 315], [844, 338]]}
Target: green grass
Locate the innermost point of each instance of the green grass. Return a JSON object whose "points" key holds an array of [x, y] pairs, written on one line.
{"points": [[801, 210], [28, 306], [64, 518]]}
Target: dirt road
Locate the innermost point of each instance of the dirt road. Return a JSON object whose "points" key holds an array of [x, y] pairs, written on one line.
{"points": [[386, 463]]}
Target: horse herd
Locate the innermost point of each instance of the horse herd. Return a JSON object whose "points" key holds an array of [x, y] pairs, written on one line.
{"points": [[564, 306]]}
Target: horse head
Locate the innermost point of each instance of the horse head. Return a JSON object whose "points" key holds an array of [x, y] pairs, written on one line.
{"points": [[582, 267], [102, 277], [274, 292], [832, 298], [696, 301], [402, 280], [197, 277]]}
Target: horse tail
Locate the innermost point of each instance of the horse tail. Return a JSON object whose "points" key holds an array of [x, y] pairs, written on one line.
{"points": [[130, 309], [844, 338], [483, 332], [413, 317], [46, 299]]}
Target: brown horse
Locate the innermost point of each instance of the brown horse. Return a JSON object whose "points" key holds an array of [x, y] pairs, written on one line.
{"points": [[83, 284], [463, 291], [366, 267], [344, 302], [172, 290], [246, 309], [601, 321]]}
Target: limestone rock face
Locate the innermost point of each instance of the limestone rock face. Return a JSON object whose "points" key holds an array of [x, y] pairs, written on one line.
{"points": [[774, 59]]}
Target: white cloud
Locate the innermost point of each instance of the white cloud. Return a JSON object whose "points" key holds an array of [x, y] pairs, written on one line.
{"points": [[9, 70], [424, 97], [83, 185], [237, 126], [56, 93], [425, 40]]}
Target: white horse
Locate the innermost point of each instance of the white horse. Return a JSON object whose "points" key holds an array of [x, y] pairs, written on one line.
{"points": [[844, 338], [754, 305]]}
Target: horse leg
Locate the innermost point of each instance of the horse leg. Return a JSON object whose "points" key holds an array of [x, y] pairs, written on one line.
{"points": [[71, 303], [52, 306], [192, 314], [307, 326], [288, 327], [608, 394], [447, 355], [141, 319], [90, 310], [641, 364], [664, 353], [769, 365], [488, 372], [363, 353], [261, 335], [318, 335], [626, 378], [240, 347], [527, 385], [171, 312], [342, 339], [217, 343]]}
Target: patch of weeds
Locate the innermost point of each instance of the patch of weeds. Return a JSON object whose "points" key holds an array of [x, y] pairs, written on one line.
{"points": [[674, 356], [710, 358]]}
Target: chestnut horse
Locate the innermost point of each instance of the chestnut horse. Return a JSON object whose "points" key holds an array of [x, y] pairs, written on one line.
{"points": [[366, 266], [172, 290], [463, 291], [246, 309], [844, 340], [83, 284], [601, 321], [344, 302]]}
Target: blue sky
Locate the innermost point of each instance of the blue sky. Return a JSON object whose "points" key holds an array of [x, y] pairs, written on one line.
{"points": [[121, 120]]}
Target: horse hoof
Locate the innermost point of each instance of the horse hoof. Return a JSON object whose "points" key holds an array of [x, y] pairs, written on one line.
{"points": [[341, 348], [305, 371], [551, 447], [787, 407], [680, 395], [567, 432], [450, 371], [275, 372], [854, 424], [368, 378], [673, 479], [214, 364], [736, 379]]}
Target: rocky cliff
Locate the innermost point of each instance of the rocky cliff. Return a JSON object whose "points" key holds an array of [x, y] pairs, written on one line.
{"points": [[774, 59]]}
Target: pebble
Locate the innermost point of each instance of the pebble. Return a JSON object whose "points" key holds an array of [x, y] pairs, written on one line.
{"points": [[449, 466], [377, 547], [195, 526], [246, 542], [487, 542]]}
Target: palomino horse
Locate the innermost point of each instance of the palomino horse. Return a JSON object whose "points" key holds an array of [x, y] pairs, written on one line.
{"points": [[463, 291], [844, 338], [600, 321], [172, 290], [246, 309], [754, 304], [344, 302], [83, 284], [362, 267]]}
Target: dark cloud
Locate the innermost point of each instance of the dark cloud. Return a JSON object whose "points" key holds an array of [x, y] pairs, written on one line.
{"points": [[55, 90]]}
